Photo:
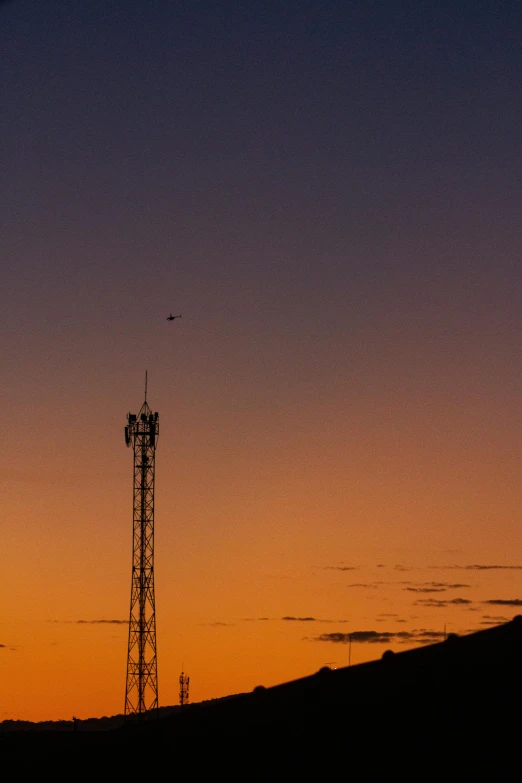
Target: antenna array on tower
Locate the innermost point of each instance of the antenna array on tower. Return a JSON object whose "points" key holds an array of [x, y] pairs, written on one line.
{"points": [[184, 681]]}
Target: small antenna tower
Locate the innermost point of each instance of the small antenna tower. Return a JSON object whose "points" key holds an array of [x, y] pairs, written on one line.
{"points": [[141, 692], [184, 681]]}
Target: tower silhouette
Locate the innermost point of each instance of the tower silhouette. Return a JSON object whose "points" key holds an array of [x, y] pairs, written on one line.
{"points": [[141, 692], [184, 682]]}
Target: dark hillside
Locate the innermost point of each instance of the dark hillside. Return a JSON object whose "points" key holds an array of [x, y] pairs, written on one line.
{"points": [[431, 699]]}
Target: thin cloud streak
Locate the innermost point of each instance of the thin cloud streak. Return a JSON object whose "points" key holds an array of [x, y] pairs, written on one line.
{"points": [[293, 619], [91, 622], [488, 619], [102, 622], [311, 619], [480, 567], [432, 602], [425, 589], [447, 585], [218, 624], [363, 584], [434, 587]]}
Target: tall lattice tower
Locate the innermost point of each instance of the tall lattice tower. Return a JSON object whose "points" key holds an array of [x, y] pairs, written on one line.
{"points": [[141, 692], [184, 682]]}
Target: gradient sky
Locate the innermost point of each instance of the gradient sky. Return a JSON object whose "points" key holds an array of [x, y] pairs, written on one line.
{"points": [[330, 194]]}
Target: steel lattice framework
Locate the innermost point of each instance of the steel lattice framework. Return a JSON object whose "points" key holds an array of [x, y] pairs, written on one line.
{"points": [[184, 682], [141, 693]]}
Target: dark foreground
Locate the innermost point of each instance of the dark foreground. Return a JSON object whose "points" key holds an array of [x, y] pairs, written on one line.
{"points": [[459, 701]]}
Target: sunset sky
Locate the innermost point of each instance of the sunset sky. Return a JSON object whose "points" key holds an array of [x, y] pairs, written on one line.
{"points": [[330, 193]]}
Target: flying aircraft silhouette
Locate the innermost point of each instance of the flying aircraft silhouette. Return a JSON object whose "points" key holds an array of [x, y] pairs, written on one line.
{"points": [[171, 317]]}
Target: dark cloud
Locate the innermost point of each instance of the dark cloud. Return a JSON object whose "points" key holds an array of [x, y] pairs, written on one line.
{"points": [[481, 567], [402, 568], [336, 636], [379, 583], [414, 587], [504, 602], [361, 637], [460, 601], [3, 646], [493, 568], [340, 568], [448, 585], [371, 637], [420, 636], [432, 602], [434, 587], [363, 584], [425, 589]]}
